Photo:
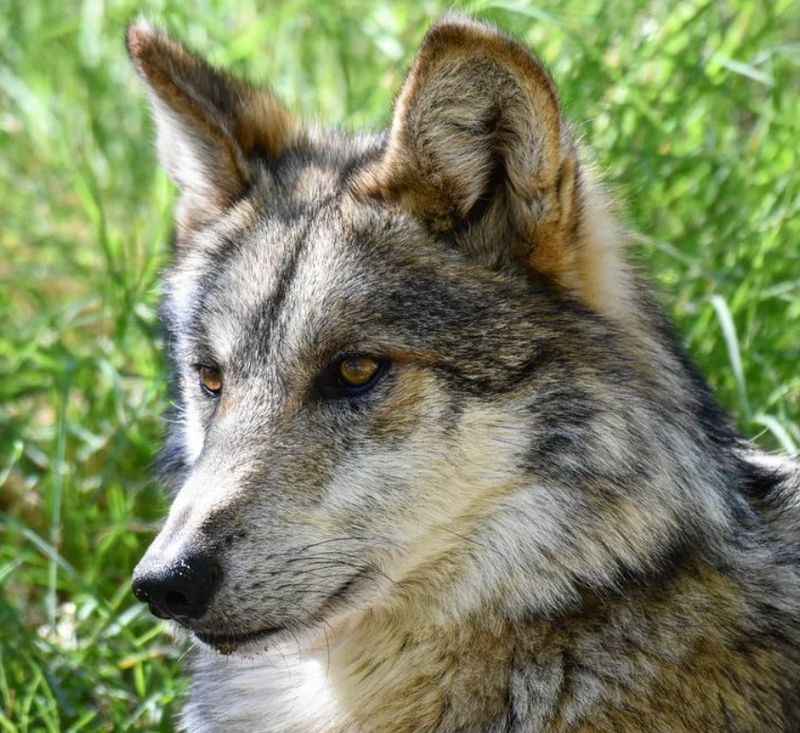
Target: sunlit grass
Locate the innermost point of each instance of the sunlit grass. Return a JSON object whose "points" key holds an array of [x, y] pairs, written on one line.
{"points": [[692, 109]]}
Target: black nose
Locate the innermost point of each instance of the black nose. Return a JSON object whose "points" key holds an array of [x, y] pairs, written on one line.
{"points": [[180, 591]]}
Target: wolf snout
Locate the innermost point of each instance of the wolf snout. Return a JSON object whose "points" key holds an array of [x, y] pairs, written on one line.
{"points": [[181, 590]]}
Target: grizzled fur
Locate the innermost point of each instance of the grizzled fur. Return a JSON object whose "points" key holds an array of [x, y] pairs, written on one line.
{"points": [[538, 519]]}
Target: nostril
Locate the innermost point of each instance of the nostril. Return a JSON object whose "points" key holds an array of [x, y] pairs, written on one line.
{"points": [[176, 603]]}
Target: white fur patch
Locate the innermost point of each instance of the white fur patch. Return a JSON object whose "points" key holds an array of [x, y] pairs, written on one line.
{"points": [[284, 691]]}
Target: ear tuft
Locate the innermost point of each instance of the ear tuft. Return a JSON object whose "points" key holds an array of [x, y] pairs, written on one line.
{"points": [[138, 36], [210, 125]]}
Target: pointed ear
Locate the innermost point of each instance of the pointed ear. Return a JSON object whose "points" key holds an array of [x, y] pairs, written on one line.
{"points": [[478, 147], [209, 125]]}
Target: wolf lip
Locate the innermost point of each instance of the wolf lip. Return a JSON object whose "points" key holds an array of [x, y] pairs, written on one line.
{"points": [[231, 641]]}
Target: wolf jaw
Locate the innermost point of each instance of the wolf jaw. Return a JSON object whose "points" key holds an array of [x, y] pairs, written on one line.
{"points": [[539, 519]]}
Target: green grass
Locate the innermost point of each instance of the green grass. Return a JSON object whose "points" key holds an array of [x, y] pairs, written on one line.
{"points": [[693, 109]]}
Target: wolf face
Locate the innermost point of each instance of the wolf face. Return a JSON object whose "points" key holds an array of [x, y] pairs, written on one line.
{"points": [[413, 369]]}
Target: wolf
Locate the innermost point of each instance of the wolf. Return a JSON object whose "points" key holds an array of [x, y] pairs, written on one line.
{"points": [[438, 460]]}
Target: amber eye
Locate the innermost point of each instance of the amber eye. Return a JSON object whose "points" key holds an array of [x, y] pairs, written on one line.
{"points": [[358, 371], [210, 380], [351, 375]]}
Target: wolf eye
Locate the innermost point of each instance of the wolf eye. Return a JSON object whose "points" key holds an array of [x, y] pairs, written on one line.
{"points": [[351, 375], [210, 380], [357, 371]]}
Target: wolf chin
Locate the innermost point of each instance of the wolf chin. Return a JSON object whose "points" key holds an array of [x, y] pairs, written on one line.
{"points": [[438, 460]]}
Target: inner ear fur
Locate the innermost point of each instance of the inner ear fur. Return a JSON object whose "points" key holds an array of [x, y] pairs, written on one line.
{"points": [[209, 124], [478, 131]]}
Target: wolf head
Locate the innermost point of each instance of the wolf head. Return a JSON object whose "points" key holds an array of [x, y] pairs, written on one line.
{"points": [[413, 369]]}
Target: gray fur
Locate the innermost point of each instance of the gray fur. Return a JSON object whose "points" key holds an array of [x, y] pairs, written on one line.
{"points": [[538, 519]]}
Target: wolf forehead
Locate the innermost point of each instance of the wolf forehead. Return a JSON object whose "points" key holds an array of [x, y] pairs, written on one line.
{"points": [[301, 264]]}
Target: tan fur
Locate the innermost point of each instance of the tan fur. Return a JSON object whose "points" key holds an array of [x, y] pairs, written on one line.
{"points": [[396, 670], [390, 673]]}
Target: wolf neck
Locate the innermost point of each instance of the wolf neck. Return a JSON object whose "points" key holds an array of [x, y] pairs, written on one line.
{"points": [[688, 631], [400, 672]]}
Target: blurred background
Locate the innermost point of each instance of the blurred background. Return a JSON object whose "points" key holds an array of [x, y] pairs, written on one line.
{"points": [[692, 108]]}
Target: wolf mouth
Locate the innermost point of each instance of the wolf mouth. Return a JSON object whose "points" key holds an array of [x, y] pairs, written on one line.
{"points": [[227, 642]]}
